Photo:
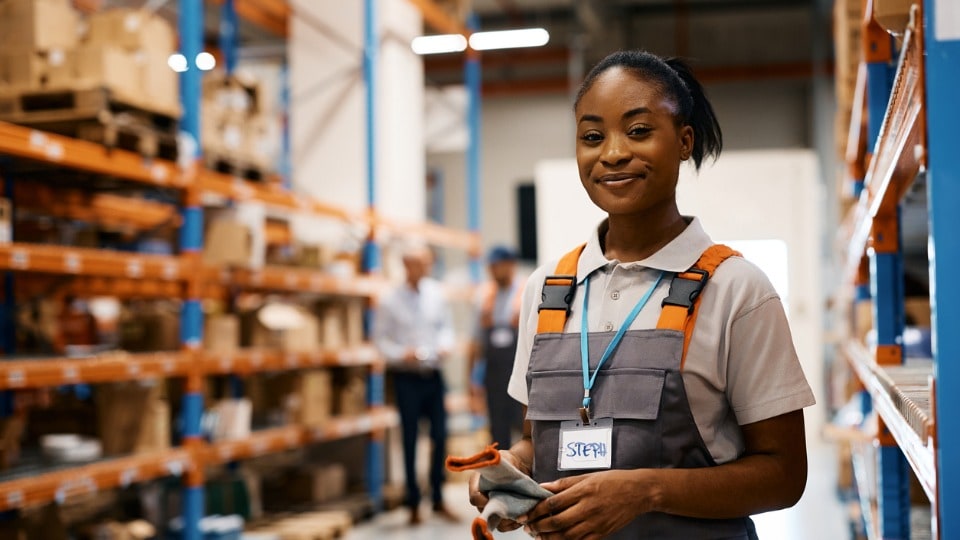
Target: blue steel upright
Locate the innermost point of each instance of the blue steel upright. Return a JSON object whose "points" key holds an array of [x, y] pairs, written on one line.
{"points": [[191, 243], [886, 285], [371, 257], [228, 35], [473, 76], [943, 193]]}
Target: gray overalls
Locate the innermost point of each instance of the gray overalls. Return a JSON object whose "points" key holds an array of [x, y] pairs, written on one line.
{"points": [[642, 389]]}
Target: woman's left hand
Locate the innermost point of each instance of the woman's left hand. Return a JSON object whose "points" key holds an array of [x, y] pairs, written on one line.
{"points": [[591, 505]]}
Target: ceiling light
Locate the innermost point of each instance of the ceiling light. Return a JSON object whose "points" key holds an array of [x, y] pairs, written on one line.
{"points": [[177, 62], [509, 39], [441, 43], [206, 61]]}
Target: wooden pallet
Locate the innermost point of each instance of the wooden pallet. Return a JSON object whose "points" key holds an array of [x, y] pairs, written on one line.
{"points": [[306, 526], [95, 114], [237, 166]]}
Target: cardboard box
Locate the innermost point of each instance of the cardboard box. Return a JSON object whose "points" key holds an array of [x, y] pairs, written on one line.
{"points": [[353, 314], [311, 402], [131, 29], [227, 242], [38, 25], [333, 330], [232, 419], [148, 328], [161, 84], [318, 484], [34, 69], [893, 15], [351, 392], [918, 311], [118, 70], [221, 334], [132, 417]]}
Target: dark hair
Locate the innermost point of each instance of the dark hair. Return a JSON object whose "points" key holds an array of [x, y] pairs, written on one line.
{"points": [[676, 79]]}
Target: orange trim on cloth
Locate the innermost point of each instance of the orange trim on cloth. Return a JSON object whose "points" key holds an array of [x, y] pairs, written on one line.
{"points": [[683, 320], [488, 457], [553, 320]]}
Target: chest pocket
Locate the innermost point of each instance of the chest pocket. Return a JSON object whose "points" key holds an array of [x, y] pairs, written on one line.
{"points": [[624, 393]]}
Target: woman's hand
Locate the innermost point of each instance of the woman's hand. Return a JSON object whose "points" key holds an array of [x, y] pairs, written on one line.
{"points": [[591, 505], [480, 499]]}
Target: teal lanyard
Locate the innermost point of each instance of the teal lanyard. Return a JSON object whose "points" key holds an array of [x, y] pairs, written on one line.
{"points": [[588, 379]]}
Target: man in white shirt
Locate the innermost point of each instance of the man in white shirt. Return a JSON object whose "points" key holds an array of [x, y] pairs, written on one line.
{"points": [[413, 330]]}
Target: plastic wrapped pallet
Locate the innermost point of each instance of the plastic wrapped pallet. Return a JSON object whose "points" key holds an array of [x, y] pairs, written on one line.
{"points": [[111, 67], [131, 29]]}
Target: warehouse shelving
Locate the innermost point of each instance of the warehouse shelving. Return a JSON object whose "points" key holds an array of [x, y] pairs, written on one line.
{"points": [[902, 129]]}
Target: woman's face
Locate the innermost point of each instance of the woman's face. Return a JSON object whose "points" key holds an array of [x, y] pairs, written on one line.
{"points": [[629, 146]]}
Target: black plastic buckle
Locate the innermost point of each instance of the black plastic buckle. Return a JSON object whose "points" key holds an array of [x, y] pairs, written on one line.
{"points": [[683, 291], [556, 296]]}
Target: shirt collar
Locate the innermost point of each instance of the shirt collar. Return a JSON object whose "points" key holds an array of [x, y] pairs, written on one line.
{"points": [[677, 256]]}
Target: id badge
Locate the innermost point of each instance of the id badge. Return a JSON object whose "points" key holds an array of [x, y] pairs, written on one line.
{"points": [[586, 446]]}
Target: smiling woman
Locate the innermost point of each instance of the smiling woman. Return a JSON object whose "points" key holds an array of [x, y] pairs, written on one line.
{"points": [[699, 430]]}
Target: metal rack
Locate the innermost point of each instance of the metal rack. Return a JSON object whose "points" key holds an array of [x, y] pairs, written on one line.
{"points": [[901, 130]]}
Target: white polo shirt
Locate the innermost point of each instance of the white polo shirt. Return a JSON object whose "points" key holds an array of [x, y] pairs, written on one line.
{"points": [[741, 365]]}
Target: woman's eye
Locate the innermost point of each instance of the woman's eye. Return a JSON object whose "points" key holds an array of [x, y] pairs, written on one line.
{"points": [[591, 136], [639, 130]]}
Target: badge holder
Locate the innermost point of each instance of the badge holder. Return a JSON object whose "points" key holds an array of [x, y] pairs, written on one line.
{"points": [[585, 445]]}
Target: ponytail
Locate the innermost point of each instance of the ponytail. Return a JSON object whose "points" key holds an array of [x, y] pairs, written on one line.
{"points": [[676, 80], [707, 137]]}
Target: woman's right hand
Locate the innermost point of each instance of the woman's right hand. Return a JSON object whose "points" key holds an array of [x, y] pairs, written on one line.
{"points": [[480, 499]]}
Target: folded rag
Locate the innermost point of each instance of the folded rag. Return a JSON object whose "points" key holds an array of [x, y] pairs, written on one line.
{"points": [[511, 492]]}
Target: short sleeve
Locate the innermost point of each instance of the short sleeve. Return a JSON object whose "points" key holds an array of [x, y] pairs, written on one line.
{"points": [[764, 376], [517, 388]]}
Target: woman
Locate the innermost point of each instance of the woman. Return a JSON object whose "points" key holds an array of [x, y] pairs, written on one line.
{"points": [[640, 426]]}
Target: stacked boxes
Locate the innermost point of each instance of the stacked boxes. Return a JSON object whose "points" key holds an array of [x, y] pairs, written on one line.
{"points": [[37, 42], [124, 50], [236, 126]]}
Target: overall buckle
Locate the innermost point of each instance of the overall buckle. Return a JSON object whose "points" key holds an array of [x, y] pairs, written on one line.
{"points": [[558, 296], [684, 290]]}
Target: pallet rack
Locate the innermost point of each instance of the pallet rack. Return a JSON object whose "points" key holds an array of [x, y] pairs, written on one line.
{"points": [[901, 130]]}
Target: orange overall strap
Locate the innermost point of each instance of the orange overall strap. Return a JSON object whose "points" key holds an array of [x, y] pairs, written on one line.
{"points": [[558, 292], [680, 307]]}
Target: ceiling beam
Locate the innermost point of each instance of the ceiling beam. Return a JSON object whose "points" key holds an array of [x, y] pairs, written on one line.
{"points": [[438, 19]]}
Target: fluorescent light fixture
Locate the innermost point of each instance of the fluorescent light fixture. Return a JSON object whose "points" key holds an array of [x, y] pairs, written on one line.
{"points": [[441, 43], [206, 61], [177, 62], [509, 39]]}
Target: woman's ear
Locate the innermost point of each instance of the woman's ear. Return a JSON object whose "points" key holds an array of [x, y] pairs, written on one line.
{"points": [[686, 142]]}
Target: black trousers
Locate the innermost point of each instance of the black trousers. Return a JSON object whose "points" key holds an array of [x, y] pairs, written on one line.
{"points": [[421, 396]]}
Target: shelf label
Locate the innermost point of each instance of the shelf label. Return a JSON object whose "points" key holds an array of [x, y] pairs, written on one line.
{"points": [[175, 467], [134, 268], [292, 360], [15, 499], [37, 139], [168, 364], [54, 151], [947, 20], [291, 280], [259, 447], [226, 363], [159, 173], [70, 374], [128, 477], [133, 368], [364, 424], [241, 190], [72, 263], [19, 259], [171, 270], [226, 452], [256, 359], [16, 378]]}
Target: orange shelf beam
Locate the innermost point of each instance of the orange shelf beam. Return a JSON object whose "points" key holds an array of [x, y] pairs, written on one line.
{"points": [[63, 485], [256, 360], [375, 421], [438, 19], [263, 442], [71, 153], [300, 280], [238, 189], [431, 232], [271, 15], [90, 262], [18, 374]]}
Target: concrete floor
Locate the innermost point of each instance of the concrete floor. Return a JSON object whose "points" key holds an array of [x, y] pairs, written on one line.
{"points": [[818, 516]]}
